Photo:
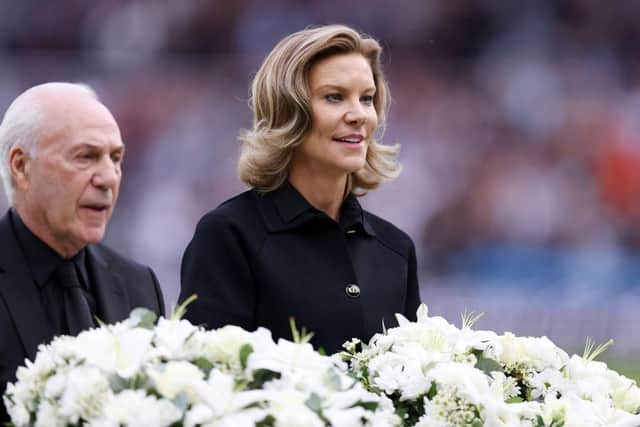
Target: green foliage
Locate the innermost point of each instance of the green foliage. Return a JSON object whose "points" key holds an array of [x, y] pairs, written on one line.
{"points": [[299, 337], [262, 376], [204, 365], [245, 351], [179, 311], [486, 365], [268, 421], [314, 402], [409, 411], [369, 406], [144, 318], [433, 390]]}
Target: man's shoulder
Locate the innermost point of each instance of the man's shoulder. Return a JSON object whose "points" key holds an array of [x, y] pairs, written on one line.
{"points": [[114, 260]]}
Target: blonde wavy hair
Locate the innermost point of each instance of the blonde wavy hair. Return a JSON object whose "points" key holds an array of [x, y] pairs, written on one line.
{"points": [[281, 106]]}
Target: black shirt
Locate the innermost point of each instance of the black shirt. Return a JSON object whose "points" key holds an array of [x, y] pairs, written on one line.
{"points": [[43, 262], [260, 258]]}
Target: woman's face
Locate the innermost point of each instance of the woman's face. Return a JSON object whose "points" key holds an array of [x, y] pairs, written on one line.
{"points": [[343, 117]]}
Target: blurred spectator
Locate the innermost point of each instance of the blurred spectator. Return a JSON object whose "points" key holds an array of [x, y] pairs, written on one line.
{"points": [[518, 120]]}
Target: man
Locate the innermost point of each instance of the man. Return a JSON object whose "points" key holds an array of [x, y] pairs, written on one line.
{"points": [[61, 157]]}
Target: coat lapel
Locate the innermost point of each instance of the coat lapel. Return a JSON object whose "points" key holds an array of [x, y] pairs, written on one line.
{"points": [[20, 293], [109, 287]]}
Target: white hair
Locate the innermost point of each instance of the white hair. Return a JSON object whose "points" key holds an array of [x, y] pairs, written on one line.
{"points": [[21, 125]]}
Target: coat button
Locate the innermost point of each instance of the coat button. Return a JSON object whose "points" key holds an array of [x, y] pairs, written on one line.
{"points": [[352, 290]]}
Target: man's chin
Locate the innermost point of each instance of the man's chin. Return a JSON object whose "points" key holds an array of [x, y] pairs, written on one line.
{"points": [[93, 235]]}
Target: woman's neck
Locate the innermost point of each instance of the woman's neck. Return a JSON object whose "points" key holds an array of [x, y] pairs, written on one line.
{"points": [[322, 192]]}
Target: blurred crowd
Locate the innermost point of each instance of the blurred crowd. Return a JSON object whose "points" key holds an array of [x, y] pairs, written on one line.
{"points": [[519, 121]]}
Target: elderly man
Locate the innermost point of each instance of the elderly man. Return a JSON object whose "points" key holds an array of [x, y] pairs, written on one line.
{"points": [[61, 158]]}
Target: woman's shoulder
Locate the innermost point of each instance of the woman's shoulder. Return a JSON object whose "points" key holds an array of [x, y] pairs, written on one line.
{"points": [[237, 210], [389, 234]]}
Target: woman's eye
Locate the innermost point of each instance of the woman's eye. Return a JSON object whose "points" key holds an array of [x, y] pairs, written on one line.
{"points": [[333, 97], [367, 99]]}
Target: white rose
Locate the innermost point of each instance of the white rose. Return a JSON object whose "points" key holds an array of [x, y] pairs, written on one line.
{"points": [[223, 345], [49, 416], [133, 408], [220, 396], [289, 409], [116, 348], [176, 339], [84, 394], [17, 412], [178, 377], [536, 352], [296, 362]]}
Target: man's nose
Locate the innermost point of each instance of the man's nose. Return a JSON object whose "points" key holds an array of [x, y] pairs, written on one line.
{"points": [[107, 174]]}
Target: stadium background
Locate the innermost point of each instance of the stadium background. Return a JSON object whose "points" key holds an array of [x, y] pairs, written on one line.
{"points": [[519, 122]]}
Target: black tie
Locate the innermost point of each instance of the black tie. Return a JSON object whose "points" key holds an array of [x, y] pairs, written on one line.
{"points": [[76, 307]]}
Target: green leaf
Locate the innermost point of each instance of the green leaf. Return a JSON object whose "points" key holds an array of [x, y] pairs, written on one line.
{"points": [[245, 351], [144, 317], [433, 390], [369, 406], [179, 311], [409, 411], [268, 421], [514, 399], [117, 383], [476, 423], [262, 376], [314, 402], [333, 381], [299, 337], [204, 365], [487, 365]]}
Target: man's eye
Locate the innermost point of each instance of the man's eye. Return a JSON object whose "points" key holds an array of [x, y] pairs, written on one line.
{"points": [[333, 97]]}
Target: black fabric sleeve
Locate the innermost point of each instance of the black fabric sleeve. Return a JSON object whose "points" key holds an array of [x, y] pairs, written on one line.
{"points": [[215, 267]]}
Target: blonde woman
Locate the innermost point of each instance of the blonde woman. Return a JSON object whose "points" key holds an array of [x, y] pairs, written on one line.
{"points": [[298, 244]]}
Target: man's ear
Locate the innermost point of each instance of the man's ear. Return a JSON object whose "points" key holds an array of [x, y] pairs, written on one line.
{"points": [[19, 167]]}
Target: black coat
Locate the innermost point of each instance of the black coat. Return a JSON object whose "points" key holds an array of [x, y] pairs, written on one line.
{"points": [[120, 286], [259, 259]]}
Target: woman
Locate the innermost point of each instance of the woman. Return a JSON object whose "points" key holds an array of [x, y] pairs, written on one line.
{"points": [[298, 244]]}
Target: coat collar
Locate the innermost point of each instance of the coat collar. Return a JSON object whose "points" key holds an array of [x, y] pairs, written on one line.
{"points": [[285, 208], [109, 287]]}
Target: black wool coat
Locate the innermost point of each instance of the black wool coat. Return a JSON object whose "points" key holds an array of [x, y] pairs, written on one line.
{"points": [[261, 258], [120, 286]]}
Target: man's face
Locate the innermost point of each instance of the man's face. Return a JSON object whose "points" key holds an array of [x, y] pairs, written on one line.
{"points": [[71, 183]]}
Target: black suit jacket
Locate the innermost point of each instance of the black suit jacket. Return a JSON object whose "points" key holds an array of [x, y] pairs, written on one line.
{"points": [[259, 259], [120, 286]]}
